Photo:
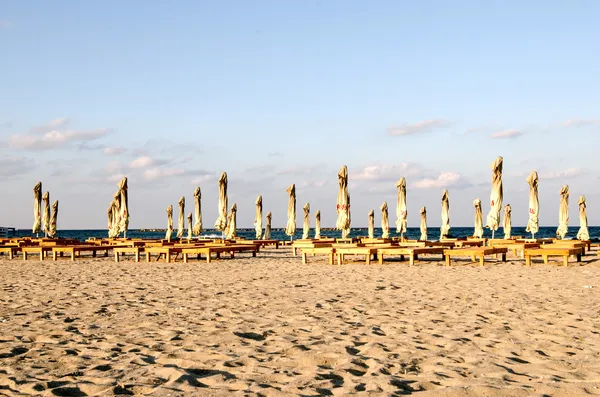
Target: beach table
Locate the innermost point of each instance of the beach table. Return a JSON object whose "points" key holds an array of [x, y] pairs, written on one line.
{"points": [[10, 250], [41, 250], [340, 252], [545, 253], [474, 253], [412, 252]]}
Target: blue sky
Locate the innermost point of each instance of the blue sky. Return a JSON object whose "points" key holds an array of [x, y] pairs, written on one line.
{"points": [[280, 92]]}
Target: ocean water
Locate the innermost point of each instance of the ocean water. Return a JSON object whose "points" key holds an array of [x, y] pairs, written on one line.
{"points": [[412, 233]]}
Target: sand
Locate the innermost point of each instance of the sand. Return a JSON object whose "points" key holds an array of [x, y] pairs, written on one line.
{"points": [[271, 326]]}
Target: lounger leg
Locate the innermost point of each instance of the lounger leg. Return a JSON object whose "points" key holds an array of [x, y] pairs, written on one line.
{"points": [[578, 257], [411, 259], [368, 259], [24, 255], [566, 260], [41, 255], [54, 255], [168, 257], [254, 254], [527, 260], [380, 259], [545, 259], [106, 253], [293, 251], [93, 254], [147, 257], [116, 257], [331, 262], [473, 258], [503, 258], [304, 257], [481, 260], [208, 257], [73, 256], [137, 256], [447, 260], [339, 259], [10, 254], [185, 257]]}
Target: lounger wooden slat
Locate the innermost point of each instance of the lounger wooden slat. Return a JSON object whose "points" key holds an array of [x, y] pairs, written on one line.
{"points": [[76, 250], [120, 251], [516, 247], [35, 249], [545, 253], [11, 251], [412, 252], [366, 251], [474, 253]]}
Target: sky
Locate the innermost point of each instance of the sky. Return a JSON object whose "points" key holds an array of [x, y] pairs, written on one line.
{"points": [[170, 94]]}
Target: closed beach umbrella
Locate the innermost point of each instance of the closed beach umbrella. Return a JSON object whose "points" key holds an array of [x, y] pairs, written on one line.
{"points": [[221, 223], [46, 213], [563, 213], [445, 228], [37, 208], [507, 222], [423, 213], [343, 203], [534, 204], [496, 196], [124, 215], [583, 233], [267, 235], [53, 219], [306, 223], [290, 227], [371, 227], [385, 222], [181, 219], [109, 213], [189, 229], [197, 230], [318, 225], [169, 223], [401, 207], [478, 232], [231, 223], [116, 214], [258, 218]]}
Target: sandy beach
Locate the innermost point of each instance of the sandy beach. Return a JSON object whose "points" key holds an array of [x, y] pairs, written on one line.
{"points": [[270, 326]]}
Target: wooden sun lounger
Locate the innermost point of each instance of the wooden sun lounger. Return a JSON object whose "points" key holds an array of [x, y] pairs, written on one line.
{"points": [[474, 253], [469, 243], [76, 250], [564, 252], [41, 250], [11, 251], [516, 247], [330, 251], [366, 251], [412, 252], [166, 250], [308, 244], [445, 244], [264, 243], [136, 250], [208, 250], [572, 244]]}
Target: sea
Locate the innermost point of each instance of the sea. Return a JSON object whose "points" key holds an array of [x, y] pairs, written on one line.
{"points": [[279, 234]]}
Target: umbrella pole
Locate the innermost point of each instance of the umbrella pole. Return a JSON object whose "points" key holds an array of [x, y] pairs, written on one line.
{"points": [[493, 233]]}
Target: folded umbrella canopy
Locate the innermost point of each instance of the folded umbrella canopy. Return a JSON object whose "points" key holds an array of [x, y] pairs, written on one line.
{"points": [[124, 215], [445, 228], [496, 196], [385, 222], [371, 227], [507, 222], [306, 223], [534, 204], [423, 225], [290, 227], [318, 225], [221, 223], [46, 213], [181, 220], [343, 203], [267, 235], [53, 219], [37, 208], [197, 230], [116, 212], [401, 213], [189, 229], [231, 231], [478, 232], [583, 233], [169, 223], [109, 213], [258, 218], [563, 213]]}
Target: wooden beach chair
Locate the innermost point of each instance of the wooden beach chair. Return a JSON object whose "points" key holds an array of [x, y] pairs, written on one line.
{"points": [[545, 253], [474, 253]]}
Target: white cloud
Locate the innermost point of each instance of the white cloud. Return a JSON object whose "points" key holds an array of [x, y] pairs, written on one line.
{"points": [[115, 177], [581, 122], [54, 139], [113, 166], [568, 173], [445, 179], [142, 162], [512, 133], [52, 125], [5, 24], [13, 166], [158, 173], [418, 127], [202, 179], [114, 151], [382, 172]]}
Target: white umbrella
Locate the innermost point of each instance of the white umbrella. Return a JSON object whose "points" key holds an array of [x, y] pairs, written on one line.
{"points": [[534, 204], [496, 196], [124, 215], [583, 233], [46, 213], [478, 232], [181, 220], [423, 225], [53, 219], [169, 223], [109, 213], [306, 223], [343, 203], [401, 214], [371, 227], [290, 227], [197, 229], [445, 228], [37, 208], [267, 235], [116, 214], [231, 223], [506, 222], [385, 223], [563, 213], [221, 223], [189, 229], [258, 218], [318, 225]]}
